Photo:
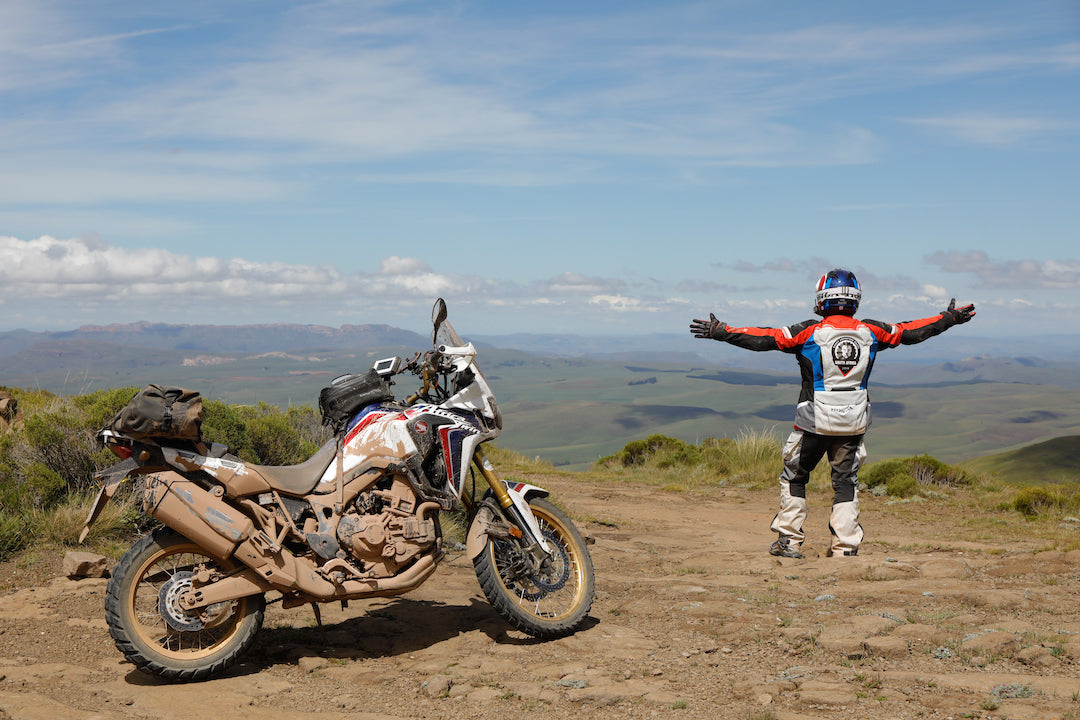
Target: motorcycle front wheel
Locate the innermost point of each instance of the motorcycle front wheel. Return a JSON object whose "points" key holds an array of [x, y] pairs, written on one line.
{"points": [[553, 602], [154, 632]]}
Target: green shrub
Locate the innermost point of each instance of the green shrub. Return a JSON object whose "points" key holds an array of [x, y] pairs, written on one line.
{"points": [[930, 471], [226, 425], [751, 460], [57, 439], [905, 477], [98, 407], [15, 533], [1037, 499], [902, 486], [42, 486], [274, 440], [658, 450], [307, 421], [879, 473]]}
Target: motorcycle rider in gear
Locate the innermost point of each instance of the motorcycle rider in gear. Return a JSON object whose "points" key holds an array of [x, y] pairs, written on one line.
{"points": [[836, 355]]}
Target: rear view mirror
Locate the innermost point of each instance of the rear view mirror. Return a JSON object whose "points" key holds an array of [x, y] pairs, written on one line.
{"points": [[438, 315]]}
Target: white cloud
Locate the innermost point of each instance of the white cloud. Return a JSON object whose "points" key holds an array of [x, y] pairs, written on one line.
{"points": [[935, 291], [570, 283], [621, 303], [1046, 274], [394, 265], [991, 129], [78, 268]]}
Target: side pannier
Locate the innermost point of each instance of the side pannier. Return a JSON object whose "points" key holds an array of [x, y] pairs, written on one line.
{"points": [[161, 412], [348, 394]]}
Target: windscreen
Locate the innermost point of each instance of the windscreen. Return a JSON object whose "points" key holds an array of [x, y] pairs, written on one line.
{"points": [[445, 334]]}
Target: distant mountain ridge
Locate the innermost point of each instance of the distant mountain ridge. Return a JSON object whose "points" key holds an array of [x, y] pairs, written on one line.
{"points": [[946, 360], [220, 338]]}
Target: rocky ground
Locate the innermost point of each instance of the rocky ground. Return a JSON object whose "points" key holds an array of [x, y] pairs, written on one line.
{"points": [[692, 619]]}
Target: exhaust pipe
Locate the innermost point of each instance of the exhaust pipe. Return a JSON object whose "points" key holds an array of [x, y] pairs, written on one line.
{"points": [[196, 513]]}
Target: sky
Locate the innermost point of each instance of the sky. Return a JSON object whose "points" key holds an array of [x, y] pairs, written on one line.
{"points": [[600, 168]]}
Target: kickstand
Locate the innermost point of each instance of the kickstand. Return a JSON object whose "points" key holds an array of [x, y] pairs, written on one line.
{"points": [[318, 620]]}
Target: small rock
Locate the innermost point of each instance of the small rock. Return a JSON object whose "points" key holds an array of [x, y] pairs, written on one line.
{"points": [[825, 693], [85, 565], [311, 664], [576, 684], [996, 599], [797, 635], [888, 646], [1037, 656], [437, 686], [991, 643], [944, 568], [484, 694]]}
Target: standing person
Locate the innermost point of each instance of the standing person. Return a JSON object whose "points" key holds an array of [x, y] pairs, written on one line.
{"points": [[836, 355]]}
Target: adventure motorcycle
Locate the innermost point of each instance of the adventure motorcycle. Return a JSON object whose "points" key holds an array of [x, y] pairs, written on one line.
{"points": [[359, 519]]}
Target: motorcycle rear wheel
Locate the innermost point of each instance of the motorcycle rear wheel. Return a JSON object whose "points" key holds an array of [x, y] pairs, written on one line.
{"points": [[154, 632], [552, 604]]}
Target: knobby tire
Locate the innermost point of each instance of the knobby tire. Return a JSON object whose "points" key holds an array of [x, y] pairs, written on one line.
{"points": [[138, 625], [546, 607]]}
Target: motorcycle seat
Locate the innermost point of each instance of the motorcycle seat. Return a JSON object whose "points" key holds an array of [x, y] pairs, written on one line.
{"points": [[298, 479]]}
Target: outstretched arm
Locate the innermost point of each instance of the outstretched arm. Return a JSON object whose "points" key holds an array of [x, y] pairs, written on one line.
{"points": [[751, 338], [915, 331], [709, 329]]}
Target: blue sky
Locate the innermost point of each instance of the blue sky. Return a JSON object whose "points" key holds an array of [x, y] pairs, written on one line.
{"points": [[602, 167]]}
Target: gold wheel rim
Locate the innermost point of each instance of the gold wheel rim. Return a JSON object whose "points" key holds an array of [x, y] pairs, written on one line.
{"points": [[548, 607], [150, 627]]}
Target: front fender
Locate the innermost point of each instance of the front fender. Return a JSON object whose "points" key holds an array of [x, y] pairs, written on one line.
{"points": [[488, 523]]}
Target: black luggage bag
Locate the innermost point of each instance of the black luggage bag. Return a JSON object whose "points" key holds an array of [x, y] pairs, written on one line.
{"points": [[157, 411], [348, 394]]}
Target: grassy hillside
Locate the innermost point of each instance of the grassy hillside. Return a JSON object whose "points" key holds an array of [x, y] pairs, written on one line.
{"points": [[574, 411], [1052, 461]]}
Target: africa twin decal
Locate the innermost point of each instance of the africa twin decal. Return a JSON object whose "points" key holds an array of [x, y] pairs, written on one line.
{"points": [[845, 354], [452, 437]]}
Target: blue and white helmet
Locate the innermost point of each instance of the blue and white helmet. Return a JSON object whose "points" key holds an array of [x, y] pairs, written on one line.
{"points": [[838, 293]]}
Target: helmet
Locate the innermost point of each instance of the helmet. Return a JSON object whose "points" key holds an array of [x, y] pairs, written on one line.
{"points": [[838, 293]]}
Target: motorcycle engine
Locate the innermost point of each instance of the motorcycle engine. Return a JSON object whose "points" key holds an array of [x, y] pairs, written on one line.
{"points": [[382, 531]]}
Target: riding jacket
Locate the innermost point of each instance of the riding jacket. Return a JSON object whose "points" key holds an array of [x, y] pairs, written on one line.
{"points": [[836, 355]]}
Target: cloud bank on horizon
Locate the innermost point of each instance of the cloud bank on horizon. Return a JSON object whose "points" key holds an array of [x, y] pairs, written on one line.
{"points": [[620, 167]]}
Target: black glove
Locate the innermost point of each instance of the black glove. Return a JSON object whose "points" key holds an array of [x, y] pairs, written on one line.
{"points": [[711, 328], [959, 315]]}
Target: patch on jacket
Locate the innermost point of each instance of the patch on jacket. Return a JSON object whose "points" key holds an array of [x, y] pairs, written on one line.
{"points": [[845, 354]]}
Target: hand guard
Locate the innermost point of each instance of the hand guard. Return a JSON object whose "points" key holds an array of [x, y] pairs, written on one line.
{"points": [[959, 315], [711, 328]]}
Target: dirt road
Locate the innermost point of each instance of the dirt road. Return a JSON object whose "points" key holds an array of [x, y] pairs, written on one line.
{"points": [[693, 619]]}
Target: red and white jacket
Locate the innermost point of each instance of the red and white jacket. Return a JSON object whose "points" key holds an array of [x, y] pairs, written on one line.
{"points": [[836, 355]]}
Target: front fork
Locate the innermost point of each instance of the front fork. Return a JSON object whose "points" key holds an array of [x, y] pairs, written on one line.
{"points": [[516, 509]]}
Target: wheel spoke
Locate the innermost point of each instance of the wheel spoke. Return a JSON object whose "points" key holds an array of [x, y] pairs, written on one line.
{"points": [[161, 621]]}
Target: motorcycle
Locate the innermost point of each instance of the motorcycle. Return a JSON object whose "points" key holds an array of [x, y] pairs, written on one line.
{"points": [[359, 519]]}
